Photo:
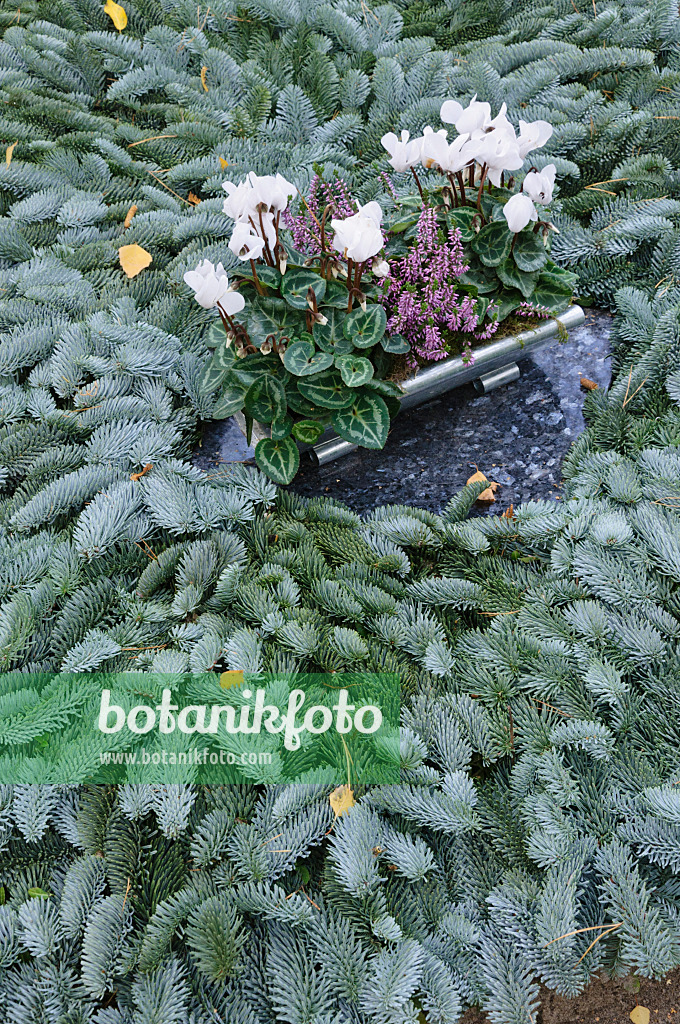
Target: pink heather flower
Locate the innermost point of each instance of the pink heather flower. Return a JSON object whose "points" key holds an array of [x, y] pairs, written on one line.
{"points": [[528, 309], [421, 299]]}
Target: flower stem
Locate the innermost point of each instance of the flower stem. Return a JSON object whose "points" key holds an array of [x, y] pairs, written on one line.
{"points": [[358, 271], [461, 183], [267, 250], [227, 322], [260, 289], [481, 187], [327, 210], [454, 190], [349, 285], [420, 187]]}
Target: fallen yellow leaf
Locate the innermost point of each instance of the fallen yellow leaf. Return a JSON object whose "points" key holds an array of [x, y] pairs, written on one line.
{"points": [[640, 1015], [204, 70], [487, 495], [133, 259], [341, 800], [8, 153], [193, 199], [224, 163], [116, 13], [234, 677]]}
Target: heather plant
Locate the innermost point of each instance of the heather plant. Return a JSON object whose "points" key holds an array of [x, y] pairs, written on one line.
{"points": [[421, 299]]}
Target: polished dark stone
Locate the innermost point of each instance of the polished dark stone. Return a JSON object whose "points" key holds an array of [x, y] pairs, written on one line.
{"points": [[517, 435]]}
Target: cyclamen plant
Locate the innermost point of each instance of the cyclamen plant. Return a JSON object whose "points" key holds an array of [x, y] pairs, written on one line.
{"points": [[302, 343]]}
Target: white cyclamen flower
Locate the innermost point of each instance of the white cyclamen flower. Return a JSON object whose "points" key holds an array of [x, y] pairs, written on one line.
{"points": [[434, 147], [211, 288], [519, 211], [272, 191], [403, 154], [539, 185], [461, 153], [533, 135], [380, 268], [373, 211], [474, 117], [499, 151], [359, 237], [244, 243], [501, 124], [267, 192], [239, 201]]}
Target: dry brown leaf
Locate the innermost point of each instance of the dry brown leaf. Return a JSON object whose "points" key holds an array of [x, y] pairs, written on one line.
{"points": [[138, 476], [487, 495], [589, 385], [133, 259], [9, 151], [475, 478], [224, 163], [129, 215], [341, 800], [193, 199], [234, 677], [640, 1015], [204, 71], [116, 13]]}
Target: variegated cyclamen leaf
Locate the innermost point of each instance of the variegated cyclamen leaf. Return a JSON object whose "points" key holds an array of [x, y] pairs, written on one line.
{"points": [[366, 422], [279, 459], [327, 390], [308, 431], [355, 370], [493, 242], [529, 252], [302, 359], [265, 399], [295, 286], [395, 344], [365, 329]]}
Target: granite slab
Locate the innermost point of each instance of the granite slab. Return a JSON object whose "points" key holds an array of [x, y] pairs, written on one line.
{"points": [[517, 435]]}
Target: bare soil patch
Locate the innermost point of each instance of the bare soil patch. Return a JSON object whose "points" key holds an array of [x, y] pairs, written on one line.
{"points": [[607, 1002]]}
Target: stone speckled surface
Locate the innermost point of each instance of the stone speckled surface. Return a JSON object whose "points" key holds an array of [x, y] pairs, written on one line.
{"points": [[517, 435]]}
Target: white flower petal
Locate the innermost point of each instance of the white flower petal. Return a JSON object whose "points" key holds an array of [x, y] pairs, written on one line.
{"points": [[519, 211]]}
